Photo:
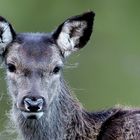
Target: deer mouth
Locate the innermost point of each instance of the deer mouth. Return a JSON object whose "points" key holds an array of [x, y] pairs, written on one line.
{"points": [[32, 115]]}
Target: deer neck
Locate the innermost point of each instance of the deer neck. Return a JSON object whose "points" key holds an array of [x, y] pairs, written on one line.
{"points": [[65, 120]]}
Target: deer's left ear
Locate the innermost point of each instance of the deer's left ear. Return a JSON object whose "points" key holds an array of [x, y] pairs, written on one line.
{"points": [[7, 34], [74, 33]]}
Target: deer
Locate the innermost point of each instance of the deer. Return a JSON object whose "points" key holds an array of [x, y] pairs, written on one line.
{"points": [[43, 106]]}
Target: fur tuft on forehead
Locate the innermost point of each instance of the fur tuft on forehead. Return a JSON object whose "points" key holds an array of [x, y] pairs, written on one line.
{"points": [[36, 50]]}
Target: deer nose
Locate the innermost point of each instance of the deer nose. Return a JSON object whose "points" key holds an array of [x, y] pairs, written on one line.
{"points": [[33, 104]]}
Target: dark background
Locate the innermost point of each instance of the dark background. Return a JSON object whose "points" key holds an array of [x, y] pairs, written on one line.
{"points": [[108, 70]]}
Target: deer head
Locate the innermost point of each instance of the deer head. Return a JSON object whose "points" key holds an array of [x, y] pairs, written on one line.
{"points": [[34, 62]]}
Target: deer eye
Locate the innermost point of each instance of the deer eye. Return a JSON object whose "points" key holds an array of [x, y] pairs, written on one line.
{"points": [[56, 69], [11, 67]]}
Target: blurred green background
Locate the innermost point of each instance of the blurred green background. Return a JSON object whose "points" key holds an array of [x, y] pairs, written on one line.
{"points": [[108, 70]]}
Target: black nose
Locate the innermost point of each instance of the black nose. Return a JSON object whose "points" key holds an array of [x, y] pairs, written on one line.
{"points": [[33, 104]]}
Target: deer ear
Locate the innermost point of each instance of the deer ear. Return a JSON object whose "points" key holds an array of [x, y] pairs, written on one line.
{"points": [[7, 34], [74, 33]]}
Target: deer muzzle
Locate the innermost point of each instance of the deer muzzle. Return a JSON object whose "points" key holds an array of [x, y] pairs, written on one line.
{"points": [[32, 107]]}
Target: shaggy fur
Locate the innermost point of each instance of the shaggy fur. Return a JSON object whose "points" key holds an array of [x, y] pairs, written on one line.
{"points": [[34, 63]]}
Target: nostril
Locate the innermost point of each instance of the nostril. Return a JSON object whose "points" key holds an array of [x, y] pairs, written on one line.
{"points": [[33, 105], [33, 108]]}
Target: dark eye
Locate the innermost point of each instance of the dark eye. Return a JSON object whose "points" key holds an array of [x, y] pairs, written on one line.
{"points": [[11, 67], [56, 69]]}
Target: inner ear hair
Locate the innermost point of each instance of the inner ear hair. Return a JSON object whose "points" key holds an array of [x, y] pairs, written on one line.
{"points": [[88, 17], [7, 34], [74, 33]]}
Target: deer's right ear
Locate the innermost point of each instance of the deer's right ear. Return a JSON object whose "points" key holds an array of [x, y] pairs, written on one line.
{"points": [[7, 34]]}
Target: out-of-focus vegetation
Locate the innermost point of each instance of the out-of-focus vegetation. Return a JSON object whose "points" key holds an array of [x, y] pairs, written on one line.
{"points": [[109, 67]]}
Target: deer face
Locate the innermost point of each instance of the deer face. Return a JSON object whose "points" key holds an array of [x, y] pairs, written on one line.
{"points": [[34, 66], [34, 62]]}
